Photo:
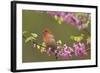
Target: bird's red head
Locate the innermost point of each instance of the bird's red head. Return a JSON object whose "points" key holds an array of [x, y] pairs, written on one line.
{"points": [[46, 30]]}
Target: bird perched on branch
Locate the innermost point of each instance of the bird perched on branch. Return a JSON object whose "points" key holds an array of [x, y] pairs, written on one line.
{"points": [[49, 39]]}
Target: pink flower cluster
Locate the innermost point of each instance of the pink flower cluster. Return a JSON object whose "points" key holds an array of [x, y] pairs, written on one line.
{"points": [[70, 18], [80, 49], [66, 52]]}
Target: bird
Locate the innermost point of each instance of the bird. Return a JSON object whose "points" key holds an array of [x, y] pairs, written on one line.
{"points": [[49, 40]]}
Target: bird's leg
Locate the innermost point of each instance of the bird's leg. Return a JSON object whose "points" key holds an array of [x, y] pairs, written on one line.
{"points": [[56, 56], [56, 51]]}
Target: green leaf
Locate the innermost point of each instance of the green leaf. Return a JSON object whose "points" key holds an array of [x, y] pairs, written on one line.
{"points": [[77, 38], [72, 37], [43, 44], [56, 17], [59, 41], [34, 35], [38, 46], [87, 23], [43, 50], [59, 21], [29, 39], [24, 34]]}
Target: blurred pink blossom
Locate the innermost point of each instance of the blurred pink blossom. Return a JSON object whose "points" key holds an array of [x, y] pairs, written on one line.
{"points": [[80, 49]]}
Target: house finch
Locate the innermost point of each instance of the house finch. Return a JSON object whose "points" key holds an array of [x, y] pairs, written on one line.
{"points": [[49, 40]]}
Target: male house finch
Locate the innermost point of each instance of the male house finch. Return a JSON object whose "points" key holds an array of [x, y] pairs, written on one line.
{"points": [[49, 39]]}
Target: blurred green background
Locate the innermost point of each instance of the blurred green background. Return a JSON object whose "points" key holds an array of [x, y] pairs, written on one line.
{"points": [[36, 21]]}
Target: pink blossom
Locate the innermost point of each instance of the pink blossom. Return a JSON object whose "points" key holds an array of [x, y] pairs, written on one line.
{"points": [[65, 53], [80, 49], [70, 18]]}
